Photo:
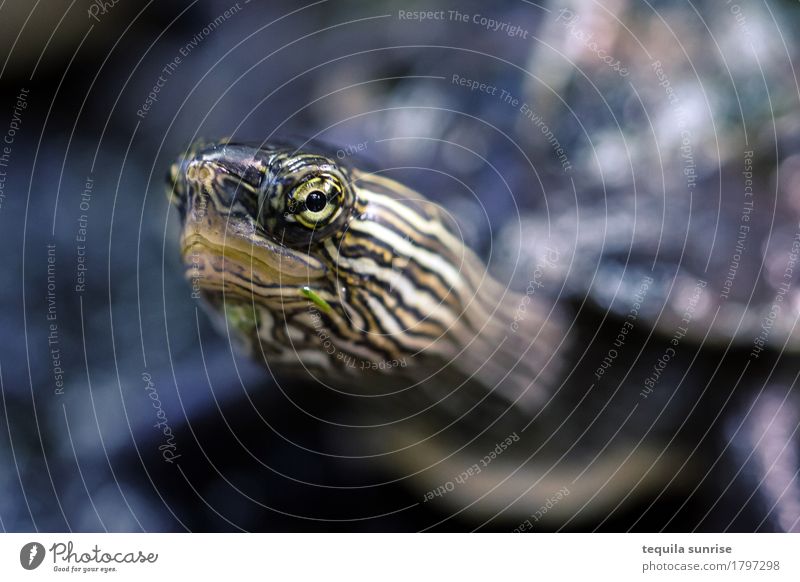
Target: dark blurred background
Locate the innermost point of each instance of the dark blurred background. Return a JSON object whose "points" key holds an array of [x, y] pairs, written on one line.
{"points": [[98, 98]]}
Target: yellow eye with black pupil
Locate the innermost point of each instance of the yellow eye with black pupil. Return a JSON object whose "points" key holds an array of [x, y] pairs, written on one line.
{"points": [[315, 201]]}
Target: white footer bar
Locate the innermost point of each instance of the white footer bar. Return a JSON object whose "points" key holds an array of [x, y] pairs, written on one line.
{"points": [[401, 557]]}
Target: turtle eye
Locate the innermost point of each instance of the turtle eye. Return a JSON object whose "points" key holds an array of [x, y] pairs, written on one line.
{"points": [[304, 199], [317, 202]]}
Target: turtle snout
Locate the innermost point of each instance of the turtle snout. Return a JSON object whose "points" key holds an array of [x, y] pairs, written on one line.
{"points": [[176, 187]]}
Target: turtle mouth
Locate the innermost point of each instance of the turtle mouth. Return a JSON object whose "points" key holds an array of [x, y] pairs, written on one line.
{"points": [[246, 270]]}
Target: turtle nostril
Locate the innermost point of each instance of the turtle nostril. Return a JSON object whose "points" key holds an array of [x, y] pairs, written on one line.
{"points": [[175, 189], [172, 175]]}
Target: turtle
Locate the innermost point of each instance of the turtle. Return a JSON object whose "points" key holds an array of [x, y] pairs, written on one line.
{"points": [[552, 396]]}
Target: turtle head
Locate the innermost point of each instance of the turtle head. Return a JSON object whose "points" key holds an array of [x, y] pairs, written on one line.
{"points": [[313, 260], [323, 266], [254, 220]]}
